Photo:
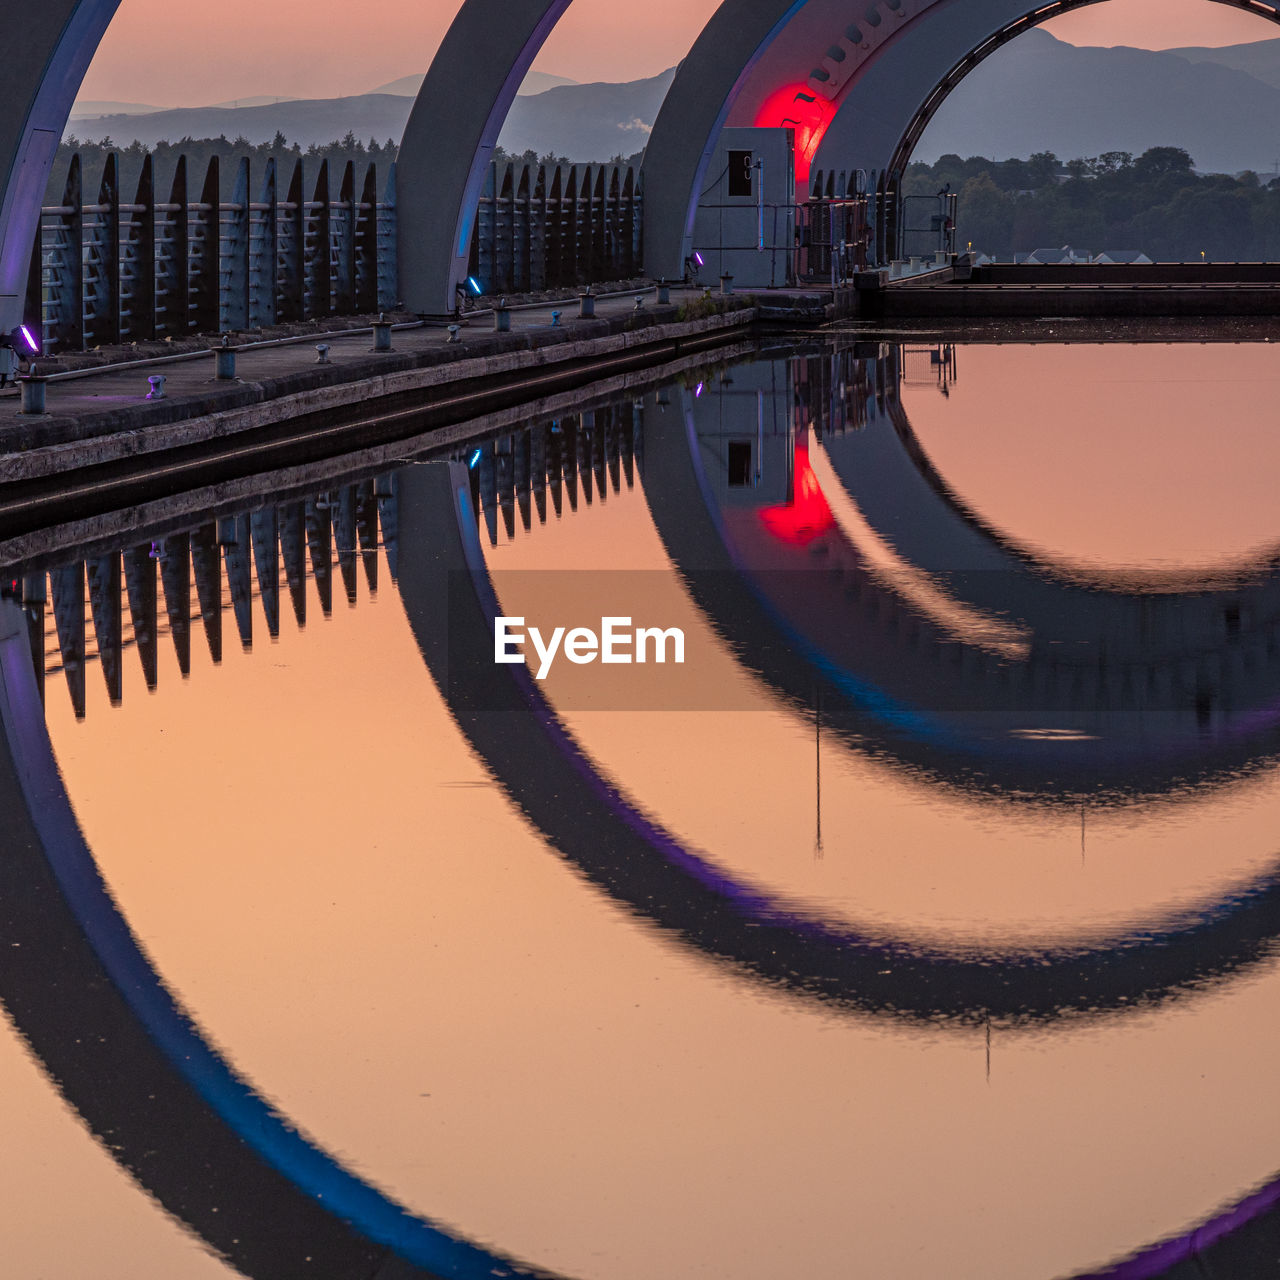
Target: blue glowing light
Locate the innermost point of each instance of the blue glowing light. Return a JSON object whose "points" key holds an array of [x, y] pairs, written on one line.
{"points": [[474, 285], [475, 457], [697, 257], [698, 392]]}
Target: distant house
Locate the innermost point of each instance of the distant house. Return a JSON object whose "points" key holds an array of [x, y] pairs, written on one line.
{"points": [[1066, 256], [1123, 257]]}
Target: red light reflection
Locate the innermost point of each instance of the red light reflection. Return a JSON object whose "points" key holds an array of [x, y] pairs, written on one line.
{"points": [[807, 515]]}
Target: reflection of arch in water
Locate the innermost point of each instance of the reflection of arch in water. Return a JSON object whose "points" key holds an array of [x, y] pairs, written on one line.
{"points": [[450, 607], [957, 657], [191, 1132], [1245, 572], [450, 604], [166, 1105]]}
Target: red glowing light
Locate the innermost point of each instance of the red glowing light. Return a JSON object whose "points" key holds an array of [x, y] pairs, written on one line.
{"points": [[807, 515], [796, 106]]}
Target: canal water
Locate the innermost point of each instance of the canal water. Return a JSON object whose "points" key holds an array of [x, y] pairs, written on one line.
{"points": [[921, 922]]}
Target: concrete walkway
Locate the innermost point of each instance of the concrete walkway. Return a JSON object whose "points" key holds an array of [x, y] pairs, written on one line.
{"points": [[104, 414]]}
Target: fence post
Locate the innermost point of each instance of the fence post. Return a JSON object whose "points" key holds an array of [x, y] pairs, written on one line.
{"points": [[637, 213], [388, 283], [627, 224], [521, 233], [504, 234], [202, 304], [317, 289], [291, 244], [233, 275], [173, 291], [555, 273], [572, 224], [138, 263], [366, 243], [65, 308], [342, 230], [614, 246], [263, 249], [538, 231], [102, 262], [599, 227]]}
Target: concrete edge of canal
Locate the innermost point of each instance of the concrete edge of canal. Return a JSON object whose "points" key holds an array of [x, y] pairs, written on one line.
{"points": [[542, 358]]}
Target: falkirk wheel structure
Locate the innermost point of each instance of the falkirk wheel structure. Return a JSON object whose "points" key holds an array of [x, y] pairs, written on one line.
{"points": [[856, 82]]}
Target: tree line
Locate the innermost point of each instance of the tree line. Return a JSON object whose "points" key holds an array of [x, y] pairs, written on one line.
{"points": [[1155, 202], [199, 151]]}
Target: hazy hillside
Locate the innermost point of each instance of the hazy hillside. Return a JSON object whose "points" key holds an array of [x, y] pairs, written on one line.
{"points": [[370, 115], [1041, 94], [534, 82], [90, 107], [1261, 59], [587, 121], [581, 121], [1036, 94]]}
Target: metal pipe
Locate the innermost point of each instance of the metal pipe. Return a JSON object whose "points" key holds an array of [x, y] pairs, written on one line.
{"points": [[68, 374]]}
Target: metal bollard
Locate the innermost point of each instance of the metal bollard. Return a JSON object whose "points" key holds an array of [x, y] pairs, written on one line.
{"points": [[156, 383], [726, 285], [555, 319], [226, 358], [382, 333], [322, 353], [501, 318], [587, 305], [454, 330], [664, 292], [33, 393]]}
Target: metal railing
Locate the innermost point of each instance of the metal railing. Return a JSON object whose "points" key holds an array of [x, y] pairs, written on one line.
{"points": [[549, 228], [833, 238], [928, 225], [109, 272]]}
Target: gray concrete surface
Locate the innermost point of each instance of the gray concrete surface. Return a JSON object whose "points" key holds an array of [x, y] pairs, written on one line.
{"points": [[105, 414]]}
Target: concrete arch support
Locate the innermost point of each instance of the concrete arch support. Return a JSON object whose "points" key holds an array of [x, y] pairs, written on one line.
{"points": [[449, 140], [48, 51]]}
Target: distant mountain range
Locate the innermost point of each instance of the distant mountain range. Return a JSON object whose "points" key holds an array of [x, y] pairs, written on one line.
{"points": [[405, 87], [87, 108], [1041, 94], [534, 82], [581, 121], [1036, 94]]}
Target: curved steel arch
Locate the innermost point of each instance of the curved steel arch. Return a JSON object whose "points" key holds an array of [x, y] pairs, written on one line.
{"points": [[945, 702], [885, 113], [858, 88], [196, 1135], [48, 51], [587, 819], [87, 1000], [442, 171]]}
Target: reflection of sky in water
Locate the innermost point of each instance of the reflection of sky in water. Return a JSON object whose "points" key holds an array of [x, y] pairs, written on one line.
{"points": [[1156, 457], [321, 867]]}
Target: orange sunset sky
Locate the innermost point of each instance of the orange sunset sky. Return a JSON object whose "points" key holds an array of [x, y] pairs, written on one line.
{"points": [[330, 48]]}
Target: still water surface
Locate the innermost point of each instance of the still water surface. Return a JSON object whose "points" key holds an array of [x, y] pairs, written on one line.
{"points": [[923, 924]]}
